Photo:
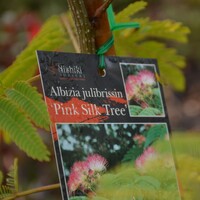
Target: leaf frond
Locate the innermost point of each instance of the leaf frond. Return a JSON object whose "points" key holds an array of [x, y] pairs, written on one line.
{"points": [[5, 192], [30, 101], [149, 41], [21, 131], [11, 187], [12, 177], [130, 10], [154, 133]]}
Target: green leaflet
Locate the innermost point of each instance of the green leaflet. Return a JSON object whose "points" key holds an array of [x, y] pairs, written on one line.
{"points": [[21, 131], [166, 29], [30, 101], [138, 43], [11, 186], [126, 183], [149, 112], [51, 37], [12, 177], [5, 192], [155, 132], [133, 154], [130, 10], [78, 198], [139, 111], [135, 110], [170, 64], [147, 182]]}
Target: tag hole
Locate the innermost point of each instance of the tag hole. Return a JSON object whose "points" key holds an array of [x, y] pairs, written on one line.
{"points": [[102, 72]]}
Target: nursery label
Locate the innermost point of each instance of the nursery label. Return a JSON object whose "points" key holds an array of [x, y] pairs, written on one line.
{"points": [[111, 133]]}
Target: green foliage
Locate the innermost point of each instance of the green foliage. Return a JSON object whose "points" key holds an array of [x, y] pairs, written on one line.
{"points": [[78, 198], [154, 133], [125, 183], [12, 179], [30, 101], [129, 11], [187, 153], [135, 110], [11, 187], [150, 112], [5, 192], [24, 101], [133, 153], [51, 37], [20, 130], [147, 41]]}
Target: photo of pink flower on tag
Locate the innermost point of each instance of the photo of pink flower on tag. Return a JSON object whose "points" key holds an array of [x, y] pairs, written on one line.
{"points": [[117, 161], [142, 90]]}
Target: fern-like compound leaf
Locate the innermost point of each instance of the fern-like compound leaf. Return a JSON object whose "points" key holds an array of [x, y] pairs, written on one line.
{"points": [[30, 101], [12, 179], [5, 192], [135, 110], [154, 133], [150, 112], [11, 187], [130, 10], [21, 131], [140, 43], [132, 154]]}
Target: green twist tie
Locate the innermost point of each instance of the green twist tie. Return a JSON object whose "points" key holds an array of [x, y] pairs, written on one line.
{"points": [[102, 50], [113, 26], [116, 26]]}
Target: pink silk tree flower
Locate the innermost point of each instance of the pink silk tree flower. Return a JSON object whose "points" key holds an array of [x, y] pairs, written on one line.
{"points": [[78, 176], [132, 85], [146, 77], [148, 154], [97, 163], [74, 182], [84, 174]]}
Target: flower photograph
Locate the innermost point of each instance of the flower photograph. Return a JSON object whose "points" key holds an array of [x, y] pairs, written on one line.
{"points": [[117, 161], [142, 90]]}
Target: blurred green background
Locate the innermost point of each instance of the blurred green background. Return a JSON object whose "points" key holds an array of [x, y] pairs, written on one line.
{"points": [[20, 20]]}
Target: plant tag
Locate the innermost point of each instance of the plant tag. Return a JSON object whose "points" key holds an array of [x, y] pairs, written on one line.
{"points": [[111, 132]]}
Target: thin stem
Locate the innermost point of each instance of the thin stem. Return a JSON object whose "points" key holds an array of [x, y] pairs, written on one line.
{"points": [[35, 78], [72, 36], [102, 8], [32, 191], [84, 28]]}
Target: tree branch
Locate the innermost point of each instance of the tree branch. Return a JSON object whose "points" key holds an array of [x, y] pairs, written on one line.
{"points": [[100, 24], [83, 26], [102, 8], [34, 78], [32, 191]]}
